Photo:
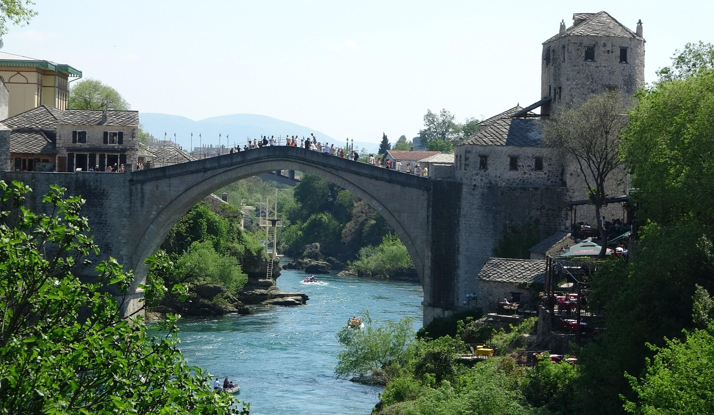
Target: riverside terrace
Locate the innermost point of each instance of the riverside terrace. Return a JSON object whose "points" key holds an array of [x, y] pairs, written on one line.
{"points": [[131, 213]]}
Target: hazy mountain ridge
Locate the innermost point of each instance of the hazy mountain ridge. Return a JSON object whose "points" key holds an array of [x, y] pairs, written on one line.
{"points": [[238, 127]]}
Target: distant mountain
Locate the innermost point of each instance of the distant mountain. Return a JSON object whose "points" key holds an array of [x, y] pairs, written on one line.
{"points": [[238, 127]]}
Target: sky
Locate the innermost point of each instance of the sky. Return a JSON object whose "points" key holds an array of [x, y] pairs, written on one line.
{"points": [[352, 69]]}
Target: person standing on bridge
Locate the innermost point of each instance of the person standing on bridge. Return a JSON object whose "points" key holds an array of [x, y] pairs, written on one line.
{"points": [[417, 170], [326, 149]]}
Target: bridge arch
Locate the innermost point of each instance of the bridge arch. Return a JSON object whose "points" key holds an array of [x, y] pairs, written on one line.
{"points": [[164, 195]]}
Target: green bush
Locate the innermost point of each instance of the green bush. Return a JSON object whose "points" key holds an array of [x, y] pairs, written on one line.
{"points": [[372, 350], [551, 385], [389, 257], [447, 326]]}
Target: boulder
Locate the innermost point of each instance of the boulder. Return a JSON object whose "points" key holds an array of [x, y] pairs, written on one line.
{"points": [[312, 251], [335, 263], [347, 273], [318, 267], [208, 291], [285, 301]]}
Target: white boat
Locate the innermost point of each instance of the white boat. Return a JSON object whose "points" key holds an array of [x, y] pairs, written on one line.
{"points": [[234, 389]]}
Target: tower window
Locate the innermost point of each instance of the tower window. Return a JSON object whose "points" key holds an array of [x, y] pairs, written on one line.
{"points": [[563, 53], [623, 55], [560, 93], [539, 164], [589, 53], [483, 162], [513, 163]]}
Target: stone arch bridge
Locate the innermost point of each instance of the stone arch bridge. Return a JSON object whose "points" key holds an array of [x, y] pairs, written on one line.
{"points": [[131, 213]]}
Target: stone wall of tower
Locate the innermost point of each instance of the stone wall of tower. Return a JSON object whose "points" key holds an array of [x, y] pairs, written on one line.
{"points": [[568, 78]]}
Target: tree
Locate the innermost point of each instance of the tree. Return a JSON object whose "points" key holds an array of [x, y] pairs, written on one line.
{"points": [[439, 127], [694, 58], [64, 347], [91, 94], [590, 135], [370, 351], [402, 144], [679, 377], [669, 145], [440, 145], [469, 127], [384, 145], [15, 12]]}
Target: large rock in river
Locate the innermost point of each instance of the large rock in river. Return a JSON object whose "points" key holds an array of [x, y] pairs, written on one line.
{"points": [[318, 267]]}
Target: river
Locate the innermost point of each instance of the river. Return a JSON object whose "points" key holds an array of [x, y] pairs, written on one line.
{"points": [[284, 357]]}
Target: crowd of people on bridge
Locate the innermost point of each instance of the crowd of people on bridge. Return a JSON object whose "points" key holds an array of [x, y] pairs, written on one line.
{"points": [[311, 143]]}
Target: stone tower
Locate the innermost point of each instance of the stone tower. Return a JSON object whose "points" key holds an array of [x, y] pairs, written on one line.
{"points": [[595, 54]]}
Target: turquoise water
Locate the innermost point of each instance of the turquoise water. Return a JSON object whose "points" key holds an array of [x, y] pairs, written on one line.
{"points": [[284, 357]]}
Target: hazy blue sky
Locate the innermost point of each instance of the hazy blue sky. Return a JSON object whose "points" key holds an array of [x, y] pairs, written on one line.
{"points": [[348, 68]]}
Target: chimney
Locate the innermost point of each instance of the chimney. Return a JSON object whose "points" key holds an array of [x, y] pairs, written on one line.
{"points": [[104, 116], [562, 26], [638, 31]]}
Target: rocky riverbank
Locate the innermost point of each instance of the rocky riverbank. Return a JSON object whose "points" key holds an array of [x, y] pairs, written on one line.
{"points": [[312, 261], [214, 300]]}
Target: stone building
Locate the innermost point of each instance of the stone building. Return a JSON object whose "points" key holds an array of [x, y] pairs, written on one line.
{"points": [[88, 139], [517, 280], [595, 54], [47, 139], [510, 181], [33, 82]]}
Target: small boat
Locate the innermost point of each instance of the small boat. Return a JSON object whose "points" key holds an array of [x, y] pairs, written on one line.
{"points": [[355, 323], [234, 389], [311, 278]]}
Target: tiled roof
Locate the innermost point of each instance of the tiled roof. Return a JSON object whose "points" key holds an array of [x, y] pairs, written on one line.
{"points": [[505, 114], [516, 271], [596, 24], [405, 155], [94, 117], [543, 246], [47, 118], [439, 158], [519, 132], [42, 117], [169, 155], [32, 141]]}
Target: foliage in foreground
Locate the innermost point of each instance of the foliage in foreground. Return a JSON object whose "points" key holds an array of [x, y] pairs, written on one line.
{"points": [[679, 377], [371, 351], [64, 348]]}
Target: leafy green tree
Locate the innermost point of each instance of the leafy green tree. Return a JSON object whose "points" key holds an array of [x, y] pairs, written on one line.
{"points": [[198, 225], [402, 144], [669, 146], [64, 347], [439, 127], [371, 350], [91, 94], [469, 128], [390, 257], [16, 12], [589, 134], [678, 380], [552, 385], [384, 145], [694, 58], [440, 145]]}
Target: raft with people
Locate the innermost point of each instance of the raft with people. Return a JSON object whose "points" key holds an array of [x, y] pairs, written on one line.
{"points": [[355, 323], [311, 278], [227, 386]]}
